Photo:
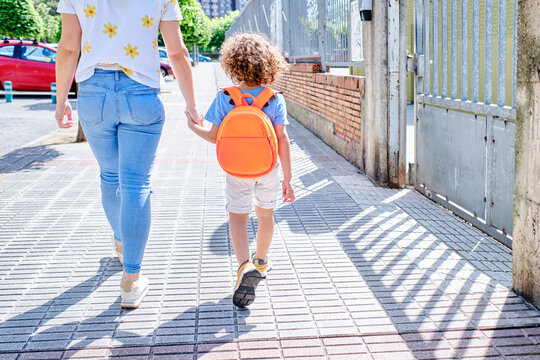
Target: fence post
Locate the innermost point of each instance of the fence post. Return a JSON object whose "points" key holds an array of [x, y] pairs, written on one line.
{"points": [[397, 107], [322, 33], [526, 242], [375, 108], [53, 93], [289, 39], [9, 91]]}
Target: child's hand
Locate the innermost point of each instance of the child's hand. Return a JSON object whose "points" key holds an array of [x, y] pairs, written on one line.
{"points": [[195, 115], [288, 191], [190, 121]]}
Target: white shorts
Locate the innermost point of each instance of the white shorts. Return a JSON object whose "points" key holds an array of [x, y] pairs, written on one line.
{"points": [[240, 192]]}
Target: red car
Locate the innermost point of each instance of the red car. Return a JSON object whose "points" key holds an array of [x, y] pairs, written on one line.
{"points": [[29, 65]]}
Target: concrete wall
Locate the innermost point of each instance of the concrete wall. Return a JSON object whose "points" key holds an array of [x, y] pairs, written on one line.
{"points": [[328, 105], [526, 242]]}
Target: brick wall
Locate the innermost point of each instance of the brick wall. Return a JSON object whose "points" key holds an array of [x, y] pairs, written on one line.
{"points": [[329, 105]]}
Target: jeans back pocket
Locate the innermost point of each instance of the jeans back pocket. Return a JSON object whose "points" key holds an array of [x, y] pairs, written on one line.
{"points": [[145, 106], [90, 107]]}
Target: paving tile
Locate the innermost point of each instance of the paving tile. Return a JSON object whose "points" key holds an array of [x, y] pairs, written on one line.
{"points": [[173, 357], [350, 357], [405, 355], [128, 351], [346, 349], [519, 350], [303, 351], [222, 355], [387, 347], [172, 349], [12, 356], [41, 355], [253, 345], [260, 354]]}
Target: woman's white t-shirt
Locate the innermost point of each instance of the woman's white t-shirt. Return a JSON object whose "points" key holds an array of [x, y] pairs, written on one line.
{"points": [[121, 34]]}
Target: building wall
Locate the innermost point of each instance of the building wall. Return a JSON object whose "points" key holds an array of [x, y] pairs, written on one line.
{"points": [[218, 8], [328, 105]]}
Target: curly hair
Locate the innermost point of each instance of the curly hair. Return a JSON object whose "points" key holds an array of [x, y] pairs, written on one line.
{"points": [[251, 59]]}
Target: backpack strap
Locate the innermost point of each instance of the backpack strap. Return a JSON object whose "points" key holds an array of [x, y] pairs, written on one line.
{"points": [[235, 93], [259, 102], [266, 95]]}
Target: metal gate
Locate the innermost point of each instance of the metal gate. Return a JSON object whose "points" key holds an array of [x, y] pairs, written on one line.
{"points": [[465, 109]]}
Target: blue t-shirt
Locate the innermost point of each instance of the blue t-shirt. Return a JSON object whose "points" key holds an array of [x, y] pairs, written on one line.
{"points": [[276, 109]]}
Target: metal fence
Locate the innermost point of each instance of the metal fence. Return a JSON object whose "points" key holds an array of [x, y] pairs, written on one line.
{"points": [[302, 29], [466, 108]]}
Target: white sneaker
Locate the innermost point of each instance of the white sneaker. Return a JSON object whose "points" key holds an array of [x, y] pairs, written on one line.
{"points": [[118, 249], [133, 292]]}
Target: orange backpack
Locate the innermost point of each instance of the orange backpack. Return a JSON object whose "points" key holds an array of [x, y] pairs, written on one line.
{"points": [[246, 142]]}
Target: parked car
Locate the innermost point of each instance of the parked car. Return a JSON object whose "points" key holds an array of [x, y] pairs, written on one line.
{"points": [[202, 58], [165, 68], [163, 54], [29, 65]]}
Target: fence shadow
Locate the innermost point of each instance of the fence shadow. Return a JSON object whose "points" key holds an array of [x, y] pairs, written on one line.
{"points": [[433, 295], [179, 330]]}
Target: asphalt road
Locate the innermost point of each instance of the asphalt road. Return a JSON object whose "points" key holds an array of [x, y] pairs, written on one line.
{"points": [[25, 120]]}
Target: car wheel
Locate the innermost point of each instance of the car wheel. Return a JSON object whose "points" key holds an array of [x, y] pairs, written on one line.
{"points": [[163, 72]]}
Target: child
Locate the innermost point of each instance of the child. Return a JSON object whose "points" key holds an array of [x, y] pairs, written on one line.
{"points": [[252, 62]]}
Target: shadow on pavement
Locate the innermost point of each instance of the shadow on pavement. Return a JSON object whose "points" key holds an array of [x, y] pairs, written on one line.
{"points": [[31, 158], [189, 330], [47, 106]]}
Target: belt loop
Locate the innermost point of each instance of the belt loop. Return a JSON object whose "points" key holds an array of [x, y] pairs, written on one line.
{"points": [[117, 75]]}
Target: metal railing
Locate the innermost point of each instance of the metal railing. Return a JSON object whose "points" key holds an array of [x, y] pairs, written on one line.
{"points": [[484, 64], [305, 30]]}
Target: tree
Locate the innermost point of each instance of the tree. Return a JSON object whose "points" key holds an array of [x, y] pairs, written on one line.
{"points": [[219, 27], [50, 4], [195, 26], [51, 24], [19, 18]]}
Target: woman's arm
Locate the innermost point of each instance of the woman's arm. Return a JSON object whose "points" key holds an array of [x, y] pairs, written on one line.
{"points": [[178, 56], [284, 150], [67, 56]]}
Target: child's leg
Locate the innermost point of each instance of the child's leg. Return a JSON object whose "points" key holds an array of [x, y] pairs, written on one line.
{"points": [[264, 231], [239, 235]]}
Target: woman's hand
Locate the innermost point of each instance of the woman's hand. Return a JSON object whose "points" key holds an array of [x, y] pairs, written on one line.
{"points": [[288, 191], [194, 115], [63, 110], [66, 62], [191, 124]]}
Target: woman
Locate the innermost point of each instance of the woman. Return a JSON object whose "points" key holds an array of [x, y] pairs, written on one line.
{"points": [[120, 108]]}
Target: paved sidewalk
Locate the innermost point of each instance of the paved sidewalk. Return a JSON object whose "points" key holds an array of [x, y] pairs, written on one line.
{"points": [[24, 120], [360, 272]]}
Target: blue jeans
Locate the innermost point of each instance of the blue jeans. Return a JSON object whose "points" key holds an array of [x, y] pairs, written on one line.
{"points": [[122, 120]]}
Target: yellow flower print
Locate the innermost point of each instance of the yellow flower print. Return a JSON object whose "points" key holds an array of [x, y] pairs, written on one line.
{"points": [[110, 30], [154, 44], [131, 51], [86, 48], [90, 11], [127, 71], [147, 22], [172, 2]]}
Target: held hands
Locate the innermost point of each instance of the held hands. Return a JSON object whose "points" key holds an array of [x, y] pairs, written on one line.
{"points": [[194, 116], [63, 110], [288, 191]]}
